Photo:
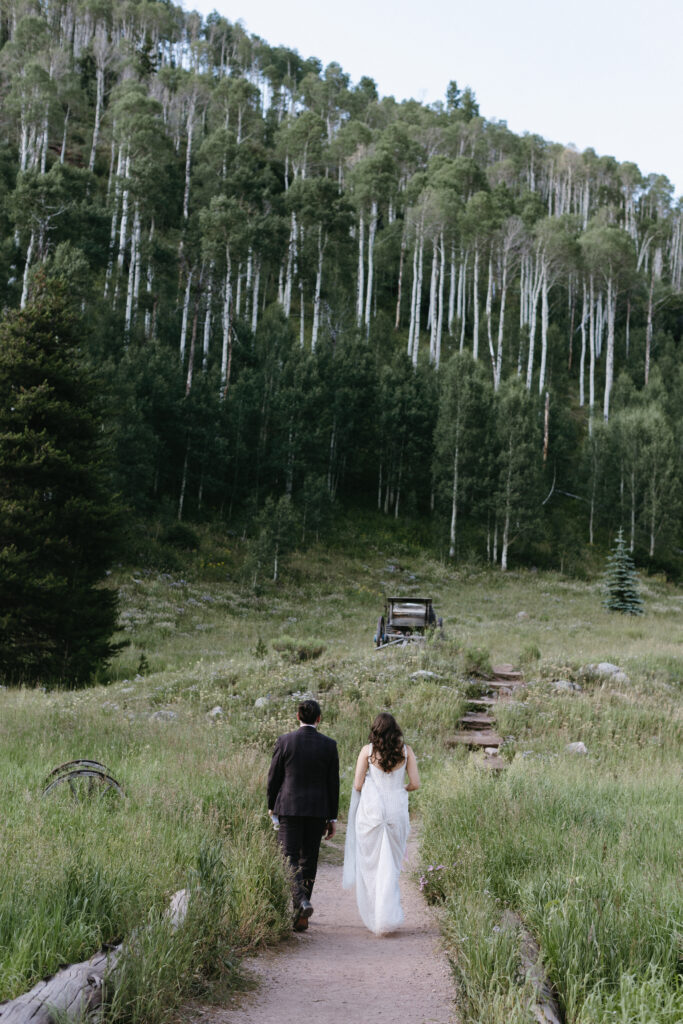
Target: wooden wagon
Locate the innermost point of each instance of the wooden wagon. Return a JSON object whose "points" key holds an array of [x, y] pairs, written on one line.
{"points": [[406, 620]]}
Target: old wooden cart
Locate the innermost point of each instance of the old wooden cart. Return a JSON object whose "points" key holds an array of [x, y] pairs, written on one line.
{"points": [[406, 620]]}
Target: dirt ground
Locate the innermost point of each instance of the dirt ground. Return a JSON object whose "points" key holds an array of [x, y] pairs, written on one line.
{"points": [[339, 973]]}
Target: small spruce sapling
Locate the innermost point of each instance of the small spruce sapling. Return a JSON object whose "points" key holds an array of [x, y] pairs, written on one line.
{"points": [[621, 581]]}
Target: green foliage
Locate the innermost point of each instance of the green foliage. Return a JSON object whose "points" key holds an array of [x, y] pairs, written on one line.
{"points": [[58, 514], [621, 581], [477, 662]]}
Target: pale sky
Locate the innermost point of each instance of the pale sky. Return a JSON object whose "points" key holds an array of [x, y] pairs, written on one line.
{"points": [[600, 73]]}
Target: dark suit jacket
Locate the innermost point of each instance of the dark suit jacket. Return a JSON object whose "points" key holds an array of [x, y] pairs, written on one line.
{"points": [[303, 780]]}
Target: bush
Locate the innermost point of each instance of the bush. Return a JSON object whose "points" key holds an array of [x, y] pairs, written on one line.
{"points": [[180, 536]]}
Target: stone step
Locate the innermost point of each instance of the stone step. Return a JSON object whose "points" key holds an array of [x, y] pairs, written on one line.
{"points": [[475, 738], [505, 676], [475, 719], [482, 702]]}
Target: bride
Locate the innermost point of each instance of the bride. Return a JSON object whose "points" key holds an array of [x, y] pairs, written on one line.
{"points": [[378, 824]]}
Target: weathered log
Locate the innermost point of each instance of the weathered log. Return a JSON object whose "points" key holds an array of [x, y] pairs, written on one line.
{"points": [[544, 1007], [75, 993]]}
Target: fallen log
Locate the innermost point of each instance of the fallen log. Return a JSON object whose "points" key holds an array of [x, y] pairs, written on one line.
{"points": [[75, 993], [544, 1006]]}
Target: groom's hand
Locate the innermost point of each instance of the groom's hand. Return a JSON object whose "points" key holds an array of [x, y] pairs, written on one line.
{"points": [[330, 829]]}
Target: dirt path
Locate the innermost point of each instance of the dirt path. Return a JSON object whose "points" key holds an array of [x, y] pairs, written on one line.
{"points": [[339, 973]]}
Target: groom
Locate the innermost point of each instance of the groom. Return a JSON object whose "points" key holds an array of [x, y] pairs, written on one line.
{"points": [[303, 791]]}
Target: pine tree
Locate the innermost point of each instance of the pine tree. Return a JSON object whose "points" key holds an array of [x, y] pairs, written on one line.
{"points": [[621, 581], [57, 514]]}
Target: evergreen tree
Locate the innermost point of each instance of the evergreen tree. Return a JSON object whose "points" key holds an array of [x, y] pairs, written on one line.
{"points": [[621, 581], [57, 516]]}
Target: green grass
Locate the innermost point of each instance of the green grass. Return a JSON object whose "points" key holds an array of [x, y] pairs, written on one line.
{"points": [[586, 850]]}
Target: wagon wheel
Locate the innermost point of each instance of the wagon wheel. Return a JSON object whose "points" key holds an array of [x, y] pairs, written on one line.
{"points": [[84, 782], [379, 636]]}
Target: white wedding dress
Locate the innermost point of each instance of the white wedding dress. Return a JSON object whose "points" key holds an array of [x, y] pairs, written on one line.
{"points": [[376, 837]]}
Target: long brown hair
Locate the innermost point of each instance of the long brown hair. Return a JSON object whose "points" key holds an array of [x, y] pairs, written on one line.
{"points": [[387, 741]]}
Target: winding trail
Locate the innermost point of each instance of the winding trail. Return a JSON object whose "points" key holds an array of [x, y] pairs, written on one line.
{"points": [[339, 973]]}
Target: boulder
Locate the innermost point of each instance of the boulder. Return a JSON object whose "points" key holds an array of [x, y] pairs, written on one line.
{"points": [[164, 716], [522, 615], [565, 684], [216, 712], [261, 702], [576, 748], [423, 673]]}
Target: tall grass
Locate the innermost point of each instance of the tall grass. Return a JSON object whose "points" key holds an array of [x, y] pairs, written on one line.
{"points": [[77, 875], [591, 861]]}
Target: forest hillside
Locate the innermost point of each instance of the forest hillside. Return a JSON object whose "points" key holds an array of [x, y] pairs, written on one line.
{"points": [[299, 294]]}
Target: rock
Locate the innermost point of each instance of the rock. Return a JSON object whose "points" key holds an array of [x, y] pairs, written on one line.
{"points": [[261, 702], [127, 689], [565, 684], [423, 673], [621, 678], [606, 668], [522, 615], [216, 712], [576, 748], [164, 716]]}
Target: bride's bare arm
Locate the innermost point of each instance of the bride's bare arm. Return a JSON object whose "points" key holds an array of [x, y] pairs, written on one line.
{"points": [[411, 769], [361, 769]]}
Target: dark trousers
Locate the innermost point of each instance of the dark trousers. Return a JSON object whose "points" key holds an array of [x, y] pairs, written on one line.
{"points": [[300, 838]]}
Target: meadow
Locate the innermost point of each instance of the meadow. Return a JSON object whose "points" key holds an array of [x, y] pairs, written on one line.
{"points": [[586, 850]]}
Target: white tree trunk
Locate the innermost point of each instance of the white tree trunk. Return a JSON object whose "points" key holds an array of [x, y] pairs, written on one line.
{"points": [[255, 296], [227, 322], [582, 360], [609, 362], [186, 308], [372, 231], [291, 256], [439, 322], [123, 232], [451, 293], [401, 262], [188, 157], [475, 301], [501, 323], [27, 268], [462, 300], [132, 270], [535, 288], [150, 278], [418, 296], [206, 340], [454, 504], [318, 287], [544, 328], [98, 113], [413, 302], [433, 290], [489, 313], [360, 284], [591, 343]]}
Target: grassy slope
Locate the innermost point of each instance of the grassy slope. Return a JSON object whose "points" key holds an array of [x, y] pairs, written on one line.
{"points": [[550, 839]]}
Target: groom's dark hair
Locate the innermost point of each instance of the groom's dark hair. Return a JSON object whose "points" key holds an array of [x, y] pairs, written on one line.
{"points": [[309, 712]]}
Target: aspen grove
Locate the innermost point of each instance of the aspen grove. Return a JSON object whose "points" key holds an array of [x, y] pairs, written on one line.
{"points": [[297, 288]]}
